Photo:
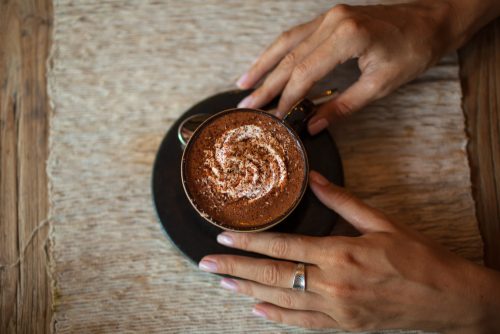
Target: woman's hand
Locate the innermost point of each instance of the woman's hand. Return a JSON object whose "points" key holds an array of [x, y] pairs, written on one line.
{"points": [[390, 277], [393, 45]]}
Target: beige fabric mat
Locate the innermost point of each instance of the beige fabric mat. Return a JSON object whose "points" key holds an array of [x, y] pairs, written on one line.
{"points": [[123, 71]]}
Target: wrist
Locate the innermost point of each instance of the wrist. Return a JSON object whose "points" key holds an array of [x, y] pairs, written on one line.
{"points": [[461, 19], [487, 298], [456, 21], [481, 300]]}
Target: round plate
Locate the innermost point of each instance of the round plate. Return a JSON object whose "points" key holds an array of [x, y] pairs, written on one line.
{"points": [[194, 236]]}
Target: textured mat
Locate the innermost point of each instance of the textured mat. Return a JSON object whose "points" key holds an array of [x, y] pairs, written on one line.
{"points": [[122, 71]]}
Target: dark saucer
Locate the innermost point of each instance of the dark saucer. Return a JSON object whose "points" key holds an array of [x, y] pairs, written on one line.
{"points": [[194, 236]]}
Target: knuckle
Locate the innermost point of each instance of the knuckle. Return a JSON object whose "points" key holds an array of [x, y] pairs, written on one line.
{"points": [[342, 197], [301, 71], [340, 10], [245, 288], [277, 316], [270, 274], [344, 109], [243, 240], [350, 26], [289, 60], [373, 86], [285, 36], [279, 247], [265, 92], [303, 242], [306, 247], [227, 266], [286, 300], [257, 65]]}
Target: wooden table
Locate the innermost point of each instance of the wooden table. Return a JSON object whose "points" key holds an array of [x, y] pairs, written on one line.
{"points": [[25, 40]]}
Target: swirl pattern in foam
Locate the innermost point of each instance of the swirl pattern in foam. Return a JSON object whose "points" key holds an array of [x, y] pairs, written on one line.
{"points": [[247, 162], [244, 169]]}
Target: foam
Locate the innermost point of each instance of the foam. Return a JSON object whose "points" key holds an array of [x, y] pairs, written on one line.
{"points": [[246, 163]]}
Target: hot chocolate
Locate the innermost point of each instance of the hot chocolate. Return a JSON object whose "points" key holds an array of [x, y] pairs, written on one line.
{"points": [[244, 169]]}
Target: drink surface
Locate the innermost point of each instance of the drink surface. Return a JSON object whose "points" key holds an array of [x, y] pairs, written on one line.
{"points": [[244, 169]]}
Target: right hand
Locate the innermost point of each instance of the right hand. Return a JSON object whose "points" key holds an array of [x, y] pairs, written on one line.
{"points": [[389, 277], [393, 45]]}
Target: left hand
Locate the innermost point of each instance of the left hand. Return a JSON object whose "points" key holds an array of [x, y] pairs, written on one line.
{"points": [[393, 44], [390, 277]]}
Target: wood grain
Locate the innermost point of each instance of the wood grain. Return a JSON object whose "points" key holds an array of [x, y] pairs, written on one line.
{"points": [[25, 297], [480, 77]]}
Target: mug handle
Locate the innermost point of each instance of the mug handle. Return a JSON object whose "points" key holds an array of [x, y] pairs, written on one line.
{"points": [[189, 126], [298, 116]]}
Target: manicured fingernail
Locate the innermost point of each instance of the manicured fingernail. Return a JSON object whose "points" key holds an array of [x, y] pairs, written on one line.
{"points": [[208, 265], [316, 125], [318, 178], [246, 102], [225, 239], [229, 284], [259, 313], [242, 81]]}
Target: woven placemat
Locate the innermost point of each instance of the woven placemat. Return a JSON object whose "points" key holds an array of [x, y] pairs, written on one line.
{"points": [[123, 71]]}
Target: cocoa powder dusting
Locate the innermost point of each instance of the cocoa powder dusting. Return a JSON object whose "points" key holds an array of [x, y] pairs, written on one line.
{"points": [[244, 169]]}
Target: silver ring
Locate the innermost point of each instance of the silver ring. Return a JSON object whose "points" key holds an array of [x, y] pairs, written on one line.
{"points": [[299, 280]]}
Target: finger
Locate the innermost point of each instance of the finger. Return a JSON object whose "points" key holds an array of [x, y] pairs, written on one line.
{"points": [[314, 67], [363, 217], [305, 319], [364, 91], [299, 248], [268, 272], [286, 298], [279, 77], [276, 51]]}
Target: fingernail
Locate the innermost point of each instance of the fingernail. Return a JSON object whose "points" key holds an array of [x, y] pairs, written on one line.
{"points": [[318, 178], [225, 239], [229, 284], [316, 125], [246, 102], [242, 81], [259, 313], [208, 265]]}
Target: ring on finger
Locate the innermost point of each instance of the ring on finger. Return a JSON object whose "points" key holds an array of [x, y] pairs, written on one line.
{"points": [[299, 279]]}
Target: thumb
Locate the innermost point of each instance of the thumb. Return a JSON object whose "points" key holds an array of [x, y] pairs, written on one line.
{"points": [[367, 89], [363, 217]]}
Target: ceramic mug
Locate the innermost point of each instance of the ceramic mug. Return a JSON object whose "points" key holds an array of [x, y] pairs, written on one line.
{"points": [[294, 121]]}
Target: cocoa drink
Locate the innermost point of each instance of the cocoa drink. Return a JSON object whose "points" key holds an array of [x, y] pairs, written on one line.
{"points": [[244, 170]]}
